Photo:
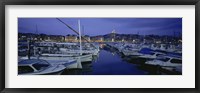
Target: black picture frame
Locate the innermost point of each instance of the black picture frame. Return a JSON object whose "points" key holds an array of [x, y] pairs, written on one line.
{"points": [[3, 3]]}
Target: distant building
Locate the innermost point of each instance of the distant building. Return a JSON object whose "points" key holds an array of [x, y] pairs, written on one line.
{"points": [[71, 38], [53, 38], [22, 37], [87, 39], [113, 35], [102, 39], [97, 39], [110, 37]]}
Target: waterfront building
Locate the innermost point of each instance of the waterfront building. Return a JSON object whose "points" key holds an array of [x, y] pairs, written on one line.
{"points": [[71, 38], [113, 34]]}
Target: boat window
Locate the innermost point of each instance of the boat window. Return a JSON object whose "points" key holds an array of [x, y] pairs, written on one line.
{"points": [[176, 61], [158, 54], [152, 53], [24, 69], [40, 66], [163, 59]]}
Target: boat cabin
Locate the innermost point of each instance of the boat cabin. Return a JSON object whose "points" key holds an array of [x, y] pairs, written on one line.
{"points": [[32, 65]]}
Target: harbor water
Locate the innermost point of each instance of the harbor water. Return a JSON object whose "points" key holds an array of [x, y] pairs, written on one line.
{"points": [[108, 62]]}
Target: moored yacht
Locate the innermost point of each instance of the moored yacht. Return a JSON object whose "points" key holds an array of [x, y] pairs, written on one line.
{"points": [[131, 50], [83, 57], [152, 55], [42, 67], [166, 61]]}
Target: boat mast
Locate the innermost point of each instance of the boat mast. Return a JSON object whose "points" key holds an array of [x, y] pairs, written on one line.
{"points": [[36, 32], [29, 49], [79, 30], [83, 34]]}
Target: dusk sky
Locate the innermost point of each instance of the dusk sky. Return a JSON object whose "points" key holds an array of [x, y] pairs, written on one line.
{"points": [[101, 26]]}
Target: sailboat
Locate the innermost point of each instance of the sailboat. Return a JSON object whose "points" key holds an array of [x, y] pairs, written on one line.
{"points": [[58, 57]]}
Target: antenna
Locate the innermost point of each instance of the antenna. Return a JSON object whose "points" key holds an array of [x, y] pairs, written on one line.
{"points": [[79, 30]]}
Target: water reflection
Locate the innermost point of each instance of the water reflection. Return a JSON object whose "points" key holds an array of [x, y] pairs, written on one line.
{"points": [[107, 62]]}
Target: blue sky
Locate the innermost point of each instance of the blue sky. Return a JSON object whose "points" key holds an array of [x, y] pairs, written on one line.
{"points": [[101, 26]]}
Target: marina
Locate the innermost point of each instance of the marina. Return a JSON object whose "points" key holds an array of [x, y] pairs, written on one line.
{"points": [[109, 54], [110, 61]]}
